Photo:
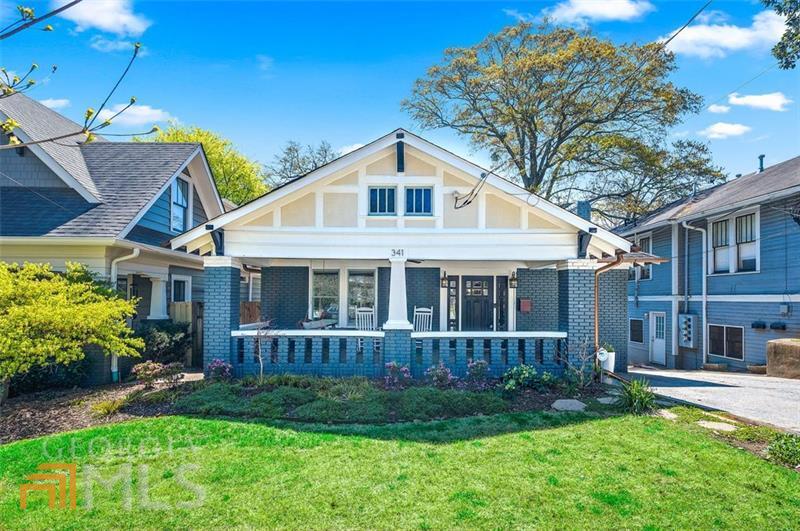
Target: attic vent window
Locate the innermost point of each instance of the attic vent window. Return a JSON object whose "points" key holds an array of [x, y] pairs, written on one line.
{"points": [[180, 205]]}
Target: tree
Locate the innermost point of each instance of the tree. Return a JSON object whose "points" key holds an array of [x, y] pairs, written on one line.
{"points": [[295, 160], [558, 108], [787, 51], [238, 178], [47, 317]]}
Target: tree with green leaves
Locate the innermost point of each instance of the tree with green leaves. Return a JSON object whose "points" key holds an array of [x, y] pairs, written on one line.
{"points": [[295, 160], [787, 50], [48, 317], [238, 178], [567, 114]]}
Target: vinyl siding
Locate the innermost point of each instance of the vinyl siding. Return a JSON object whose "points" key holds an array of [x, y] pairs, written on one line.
{"points": [[157, 217], [199, 215], [198, 282], [26, 170], [660, 282], [640, 352]]}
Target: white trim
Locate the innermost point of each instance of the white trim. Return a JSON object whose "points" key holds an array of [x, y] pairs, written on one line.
{"points": [[733, 250], [638, 270], [334, 332], [488, 335], [221, 261], [675, 281], [629, 330], [725, 341], [158, 194], [652, 329], [185, 278], [784, 297], [189, 214]]}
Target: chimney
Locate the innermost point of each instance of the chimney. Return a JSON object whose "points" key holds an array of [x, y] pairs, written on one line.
{"points": [[761, 163], [584, 210]]}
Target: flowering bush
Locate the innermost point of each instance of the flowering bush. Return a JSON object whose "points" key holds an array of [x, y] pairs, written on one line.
{"points": [[149, 372], [172, 373], [477, 370], [525, 376], [220, 370], [397, 376], [440, 376]]}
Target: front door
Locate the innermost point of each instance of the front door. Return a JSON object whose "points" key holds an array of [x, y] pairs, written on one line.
{"points": [[658, 343], [477, 300]]}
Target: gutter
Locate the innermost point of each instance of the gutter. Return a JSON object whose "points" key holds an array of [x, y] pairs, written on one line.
{"points": [[113, 280], [704, 269]]}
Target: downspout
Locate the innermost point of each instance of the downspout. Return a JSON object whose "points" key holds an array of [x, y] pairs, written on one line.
{"points": [[704, 270], [597, 272], [113, 276]]}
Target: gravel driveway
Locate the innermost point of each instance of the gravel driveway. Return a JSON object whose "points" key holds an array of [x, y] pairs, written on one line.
{"points": [[764, 399]]}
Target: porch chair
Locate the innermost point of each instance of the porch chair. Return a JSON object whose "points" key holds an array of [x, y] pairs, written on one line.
{"points": [[365, 320], [423, 319]]}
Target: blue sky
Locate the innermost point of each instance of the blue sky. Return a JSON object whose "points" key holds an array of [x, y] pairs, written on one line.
{"points": [[262, 73]]}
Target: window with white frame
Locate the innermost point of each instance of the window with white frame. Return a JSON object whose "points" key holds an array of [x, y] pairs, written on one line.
{"points": [[325, 295], [726, 341], [181, 288], [179, 211], [734, 244], [636, 330], [382, 201], [419, 201], [642, 272], [360, 291], [721, 248]]}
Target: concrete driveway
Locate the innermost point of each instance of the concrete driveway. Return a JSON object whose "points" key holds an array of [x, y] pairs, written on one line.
{"points": [[763, 399]]}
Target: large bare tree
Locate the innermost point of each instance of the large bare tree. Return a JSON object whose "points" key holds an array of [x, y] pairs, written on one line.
{"points": [[562, 110]]}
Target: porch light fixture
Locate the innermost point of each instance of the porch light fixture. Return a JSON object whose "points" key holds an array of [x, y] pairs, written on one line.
{"points": [[512, 282], [443, 282]]}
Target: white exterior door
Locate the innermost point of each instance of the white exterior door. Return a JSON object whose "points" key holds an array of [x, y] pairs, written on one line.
{"points": [[658, 343]]}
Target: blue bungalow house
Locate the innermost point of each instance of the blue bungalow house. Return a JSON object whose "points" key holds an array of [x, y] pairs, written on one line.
{"points": [[402, 251], [733, 281], [109, 205]]}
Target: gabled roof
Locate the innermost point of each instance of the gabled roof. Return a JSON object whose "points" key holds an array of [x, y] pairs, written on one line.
{"points": [[775, 181], [423, 145], [122, 177]]}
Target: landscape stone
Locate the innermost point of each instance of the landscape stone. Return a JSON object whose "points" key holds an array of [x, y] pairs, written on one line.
{"points": [[568, 404], [716, 426]]}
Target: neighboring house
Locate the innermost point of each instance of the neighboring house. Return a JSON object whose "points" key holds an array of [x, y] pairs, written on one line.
{"points": [[109, 205], [742, 243], [398, 225]]}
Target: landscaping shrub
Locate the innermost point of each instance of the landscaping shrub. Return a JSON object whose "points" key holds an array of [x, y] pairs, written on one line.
{"points": [[49, 376], [149, 372], [426, 403], [220, 370], [370, 409], [477, 370], [107, 407], [215, 399], [785, 449], [637, 397], [440, 376], [526, 377], [347, 389], [397, 376], [299, 381], [165, 341]]}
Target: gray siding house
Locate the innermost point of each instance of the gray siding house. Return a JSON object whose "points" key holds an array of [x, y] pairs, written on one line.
{"points": [[733, 281], [112, 206]]}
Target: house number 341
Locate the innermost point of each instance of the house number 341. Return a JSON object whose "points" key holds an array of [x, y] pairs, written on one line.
{"points": [[397, 253]]}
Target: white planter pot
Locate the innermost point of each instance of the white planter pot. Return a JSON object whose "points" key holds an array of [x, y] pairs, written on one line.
{"points": [[608, 365]]}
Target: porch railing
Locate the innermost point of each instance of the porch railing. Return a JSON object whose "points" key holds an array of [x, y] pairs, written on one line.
{"points": [[501, 350], [317, 352]]}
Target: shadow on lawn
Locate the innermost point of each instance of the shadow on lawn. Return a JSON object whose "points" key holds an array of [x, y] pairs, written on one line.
{"points": [[433, 431]]}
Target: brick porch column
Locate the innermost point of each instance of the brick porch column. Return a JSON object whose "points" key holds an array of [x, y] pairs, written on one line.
{"points": [[221, 314], [397, 329], [576, 305]]}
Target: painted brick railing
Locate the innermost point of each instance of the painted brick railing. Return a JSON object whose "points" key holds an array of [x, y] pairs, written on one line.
{"points": [[321, 353], [501, 350], [359, 353]]}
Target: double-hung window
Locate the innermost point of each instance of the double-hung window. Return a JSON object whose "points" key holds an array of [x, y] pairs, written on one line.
{"points": [[382, 201], [179, 211], [645, 271], [360, 292], [419, 201], [325, 295], [721, 248], [746, 242], [726, 341]]}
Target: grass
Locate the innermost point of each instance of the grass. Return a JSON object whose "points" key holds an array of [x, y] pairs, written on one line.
{"points": [[500, 471]]}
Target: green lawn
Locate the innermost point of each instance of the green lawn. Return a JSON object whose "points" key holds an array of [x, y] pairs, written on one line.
{"points": [[502, 471]]}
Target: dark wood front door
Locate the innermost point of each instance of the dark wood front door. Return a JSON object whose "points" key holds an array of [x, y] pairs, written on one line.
{"points": [[477, 300]]}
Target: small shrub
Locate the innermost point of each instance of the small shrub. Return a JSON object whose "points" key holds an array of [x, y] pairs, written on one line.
{"points": [[440, 376], [526, 377], [477, 371], [637, 398], [785, 449], [220, 370], [397, 376], [215, 399], [172, 373], [49, 376], [148, 372], [426, 403], [347, 389], [370, 409], [107, 407], [299, 381], [165, 341]]}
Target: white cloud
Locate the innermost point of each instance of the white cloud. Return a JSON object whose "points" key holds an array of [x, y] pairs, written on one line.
{"points": [[344, 150], [718, 109], [774, 101], [718, 40], [102, 44], [137, 115], [721, 130], [55, 103], [713, 16], [265, 62], [581, 12], [112, 16], [521, 17]]}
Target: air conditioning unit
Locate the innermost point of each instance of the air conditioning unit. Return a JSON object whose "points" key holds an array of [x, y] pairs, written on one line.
{"points": [[687, 330]]}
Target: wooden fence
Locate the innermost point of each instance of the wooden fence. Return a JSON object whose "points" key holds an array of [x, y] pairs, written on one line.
{"points": [[249, 312]]}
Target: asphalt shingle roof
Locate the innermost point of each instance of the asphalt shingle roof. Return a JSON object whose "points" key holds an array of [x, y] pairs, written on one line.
{"points": [[124, 176], [773, 179]]}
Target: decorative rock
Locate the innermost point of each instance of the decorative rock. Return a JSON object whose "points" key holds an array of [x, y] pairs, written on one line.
{"points": [[667, 414], [568, 404], [716, 426], [607, 399]]}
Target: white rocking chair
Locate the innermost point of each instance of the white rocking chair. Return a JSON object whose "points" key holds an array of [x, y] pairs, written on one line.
{"points": [[365, 320], [423, 319]]}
